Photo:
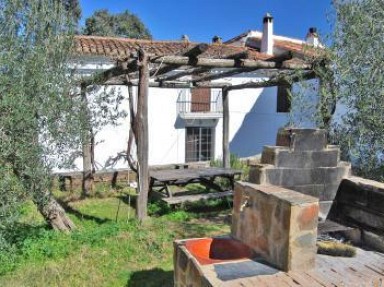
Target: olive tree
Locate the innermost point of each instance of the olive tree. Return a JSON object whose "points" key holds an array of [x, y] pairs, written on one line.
{"points": [[358, 56], [38, 113], [350, 103]]}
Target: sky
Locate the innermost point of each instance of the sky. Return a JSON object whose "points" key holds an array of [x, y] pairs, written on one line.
{"points": [[203, 19]]}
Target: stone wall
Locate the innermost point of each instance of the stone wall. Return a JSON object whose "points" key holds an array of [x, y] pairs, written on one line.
{"points": [[360, 203], [278, 224], [187, 272], [302, 161]]}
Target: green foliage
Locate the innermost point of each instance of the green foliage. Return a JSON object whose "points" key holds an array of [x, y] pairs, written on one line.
{"points": [[73, 7], [39, 124], [352, 79], [235, 163], [359, 75], [124, 24]]}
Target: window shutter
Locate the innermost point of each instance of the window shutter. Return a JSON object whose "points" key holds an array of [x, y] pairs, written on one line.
{"points": [[283, 98], [201, 100]]}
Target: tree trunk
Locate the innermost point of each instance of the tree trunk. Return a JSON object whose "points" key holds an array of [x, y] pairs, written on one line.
{"points": [[53, 213]]}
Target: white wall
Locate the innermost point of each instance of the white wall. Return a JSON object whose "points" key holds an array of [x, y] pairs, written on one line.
{"points": [[253, 123], [166, 136]]}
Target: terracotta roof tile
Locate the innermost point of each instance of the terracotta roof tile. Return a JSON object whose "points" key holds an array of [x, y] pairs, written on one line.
{"points": [[122, 48]]}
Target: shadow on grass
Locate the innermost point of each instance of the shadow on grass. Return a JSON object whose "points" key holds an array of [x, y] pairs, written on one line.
{"points": [[151, 278], [69, 209], [128, 199]]}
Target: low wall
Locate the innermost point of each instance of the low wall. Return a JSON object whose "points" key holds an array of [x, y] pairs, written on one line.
{"points": [[359, 203], [279, 224], [68, 181]]}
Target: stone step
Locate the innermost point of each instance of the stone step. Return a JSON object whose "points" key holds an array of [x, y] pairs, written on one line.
{"points": [[283, 157], [289, 177], [323, 192], [302, 139]]}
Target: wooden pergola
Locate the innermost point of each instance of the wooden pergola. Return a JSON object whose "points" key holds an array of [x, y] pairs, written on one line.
{"points": [[197, 66]]}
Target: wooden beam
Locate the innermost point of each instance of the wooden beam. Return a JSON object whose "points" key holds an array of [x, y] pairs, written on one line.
{"points": [[228, 63], [192, 53], [220, 75], [168, 85], [182, 74], [275, 81], [226, 153], [141, 121], [121, 68]]}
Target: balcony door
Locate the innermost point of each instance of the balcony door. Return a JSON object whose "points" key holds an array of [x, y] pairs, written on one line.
{"points": [[199, 144], [201, 100]]}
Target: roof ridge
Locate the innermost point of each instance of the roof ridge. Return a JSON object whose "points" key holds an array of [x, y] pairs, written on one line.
{"points": [[129, 39]]}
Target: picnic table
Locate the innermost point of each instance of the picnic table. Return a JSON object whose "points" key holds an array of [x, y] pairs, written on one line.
{"points": [[161, 180]]}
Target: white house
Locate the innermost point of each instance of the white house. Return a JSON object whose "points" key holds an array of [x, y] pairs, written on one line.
{"points": [[186, 124]]}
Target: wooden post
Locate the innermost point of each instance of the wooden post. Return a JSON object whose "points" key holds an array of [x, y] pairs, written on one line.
{"points": [[142, 137], [226, 154], [87, 146]]}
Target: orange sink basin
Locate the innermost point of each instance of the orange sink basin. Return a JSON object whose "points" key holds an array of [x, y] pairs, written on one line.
{"points": [[216, 250]]}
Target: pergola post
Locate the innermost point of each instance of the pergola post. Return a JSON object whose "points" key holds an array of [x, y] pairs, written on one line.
{"points": [[87, 146], [141, 121], [226, 153]]}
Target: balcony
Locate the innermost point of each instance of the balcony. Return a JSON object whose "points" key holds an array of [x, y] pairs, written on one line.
{"points": [[189, 107]]}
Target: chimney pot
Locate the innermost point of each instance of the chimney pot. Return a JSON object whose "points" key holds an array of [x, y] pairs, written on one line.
{"points": [[185, 38], [217, 40], [267, 18], [267, 37], [312, 38]]}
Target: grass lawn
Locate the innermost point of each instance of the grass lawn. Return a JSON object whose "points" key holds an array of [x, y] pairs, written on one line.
{"points": [[109, 248]]}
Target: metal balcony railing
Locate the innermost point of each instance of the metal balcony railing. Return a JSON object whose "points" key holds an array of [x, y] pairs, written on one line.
{"points": [[186, 105]]}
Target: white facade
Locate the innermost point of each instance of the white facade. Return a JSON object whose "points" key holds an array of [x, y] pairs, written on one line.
{"points": [[254, 119]]}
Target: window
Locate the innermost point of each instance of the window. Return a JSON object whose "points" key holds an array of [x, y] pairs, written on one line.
{"points": [[284, 98], [199, 144], [201, 100]]}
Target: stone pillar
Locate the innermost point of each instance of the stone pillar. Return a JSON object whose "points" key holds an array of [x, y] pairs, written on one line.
{"points": [[278, 224]]}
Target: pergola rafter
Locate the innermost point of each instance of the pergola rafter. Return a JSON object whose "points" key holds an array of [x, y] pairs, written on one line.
{"points": [[201, 65]]}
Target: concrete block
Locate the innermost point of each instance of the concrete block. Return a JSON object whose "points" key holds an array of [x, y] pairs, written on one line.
{"points": [[302, 139], [336, 174], [284, 157]]}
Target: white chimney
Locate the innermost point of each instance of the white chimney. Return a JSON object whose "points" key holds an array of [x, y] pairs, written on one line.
{"points": [[312, 38], [267, 37]]}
